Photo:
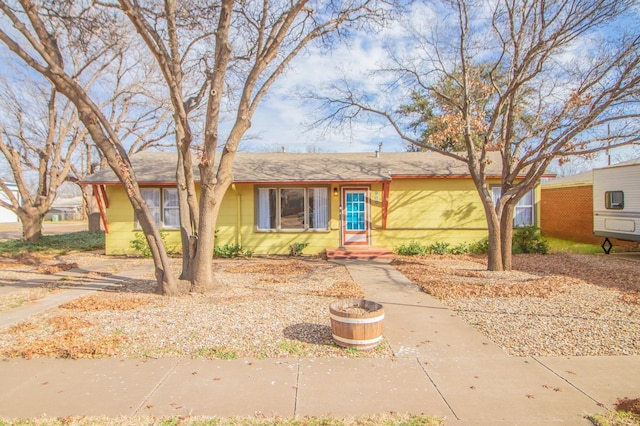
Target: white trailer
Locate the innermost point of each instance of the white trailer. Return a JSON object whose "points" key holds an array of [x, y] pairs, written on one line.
{"points": [[616, 202]]}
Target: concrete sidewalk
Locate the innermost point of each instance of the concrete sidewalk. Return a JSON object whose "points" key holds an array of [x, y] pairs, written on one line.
{"points": [[442, 367]]}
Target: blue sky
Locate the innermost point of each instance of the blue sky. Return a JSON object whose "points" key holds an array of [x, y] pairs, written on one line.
{"points": [[283, 118]]}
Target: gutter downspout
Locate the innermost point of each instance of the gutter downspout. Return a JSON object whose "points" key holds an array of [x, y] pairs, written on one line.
{"points": [[238, 215]]}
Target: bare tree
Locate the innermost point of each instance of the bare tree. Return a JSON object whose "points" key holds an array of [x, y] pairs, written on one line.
{"points": [[42, 37], [38, 135], [227, 56], [537, 81], [137, 110]]}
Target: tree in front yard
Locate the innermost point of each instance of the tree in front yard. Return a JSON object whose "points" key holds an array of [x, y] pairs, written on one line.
{"points": [[226, 56], [67, 52], [535, 81]]}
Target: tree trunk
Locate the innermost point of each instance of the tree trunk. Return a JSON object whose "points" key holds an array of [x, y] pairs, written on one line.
{"points": [[494, 260], [203, 280], [91, 208], [31, 220], [494, 253], [506, 236], [189, 214], [167, 285]]}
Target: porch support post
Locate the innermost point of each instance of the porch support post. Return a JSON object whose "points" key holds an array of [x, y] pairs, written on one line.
{"points": [[103, 215]]}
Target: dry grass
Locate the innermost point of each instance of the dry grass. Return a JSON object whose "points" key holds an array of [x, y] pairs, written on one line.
{"points": [[390, 419]]}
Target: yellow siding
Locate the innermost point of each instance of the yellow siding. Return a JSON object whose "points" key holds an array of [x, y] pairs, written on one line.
{"points": [[425, 210], [122, 228], [445, 210]]}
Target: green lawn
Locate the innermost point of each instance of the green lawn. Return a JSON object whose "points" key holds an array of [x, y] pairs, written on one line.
{"points": [[56, 244], [564, 246]]}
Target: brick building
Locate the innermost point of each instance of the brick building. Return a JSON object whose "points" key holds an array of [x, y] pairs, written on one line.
{"points": [[566, 210]]}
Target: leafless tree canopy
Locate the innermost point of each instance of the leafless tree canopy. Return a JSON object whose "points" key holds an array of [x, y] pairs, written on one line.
{"points": [[536, 80]]}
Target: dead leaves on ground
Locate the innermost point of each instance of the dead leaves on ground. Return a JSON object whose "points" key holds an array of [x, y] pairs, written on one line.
{"points": [[538, 276], [603, 271], [67, 341], [106, 302], [55, 268], [67, 332], [295, 267], [453, 283], [345, 289]]}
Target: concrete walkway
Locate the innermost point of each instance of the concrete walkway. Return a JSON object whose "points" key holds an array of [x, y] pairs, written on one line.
{"points": [[442, 367], [77, 283]]}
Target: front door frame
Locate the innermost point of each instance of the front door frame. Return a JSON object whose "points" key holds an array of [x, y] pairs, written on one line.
{"points": [[358, 238]]}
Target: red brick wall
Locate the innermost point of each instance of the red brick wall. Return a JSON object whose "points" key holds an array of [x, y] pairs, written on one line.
{"points": [[567, 213]]}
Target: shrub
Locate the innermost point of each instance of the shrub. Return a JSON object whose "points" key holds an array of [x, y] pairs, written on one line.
{"points": [[414, 248], [480, 247], [140, 245], [439, 247], [231, 250], [296, 248], [527, 239], [461, 248]]}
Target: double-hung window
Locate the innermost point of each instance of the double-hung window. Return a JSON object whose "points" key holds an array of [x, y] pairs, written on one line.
{"points": [[292, 209], [523, 212], [163, 204]]}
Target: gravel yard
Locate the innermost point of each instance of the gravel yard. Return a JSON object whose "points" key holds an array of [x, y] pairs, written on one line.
{"points": [[555, 305], [265, 308], [551, 305]]}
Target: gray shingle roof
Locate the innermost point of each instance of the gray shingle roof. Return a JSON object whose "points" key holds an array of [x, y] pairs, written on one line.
{"points": [[159, 167]]}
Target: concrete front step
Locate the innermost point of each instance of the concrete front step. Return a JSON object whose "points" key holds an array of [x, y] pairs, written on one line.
{"points": [[359, 254]]}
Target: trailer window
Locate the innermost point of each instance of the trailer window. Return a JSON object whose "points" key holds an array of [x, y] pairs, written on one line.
{"points": [[614, 200]]}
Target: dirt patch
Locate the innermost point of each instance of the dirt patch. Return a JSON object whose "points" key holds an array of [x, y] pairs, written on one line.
{"points": [[295, 267], [344, 289], [629, 405], [106, 302]]}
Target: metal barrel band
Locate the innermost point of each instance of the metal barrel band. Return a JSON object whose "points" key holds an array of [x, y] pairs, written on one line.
{"points": [[357, 320]]}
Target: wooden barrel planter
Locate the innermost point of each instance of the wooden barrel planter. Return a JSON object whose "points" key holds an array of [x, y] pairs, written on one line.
{"points": [[356, 323]]}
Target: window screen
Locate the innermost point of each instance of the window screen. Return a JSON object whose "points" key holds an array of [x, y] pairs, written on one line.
{"points": [[614, 200]]}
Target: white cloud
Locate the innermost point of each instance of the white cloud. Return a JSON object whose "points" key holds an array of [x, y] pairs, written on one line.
{"points": [[283, 118]]}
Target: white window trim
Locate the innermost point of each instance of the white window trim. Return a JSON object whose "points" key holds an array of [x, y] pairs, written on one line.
{"points": [[497, 189], [278, 228], [161, 207]]}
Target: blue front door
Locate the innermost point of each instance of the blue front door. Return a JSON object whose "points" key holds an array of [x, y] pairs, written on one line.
{"points": [[355, 220]]}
